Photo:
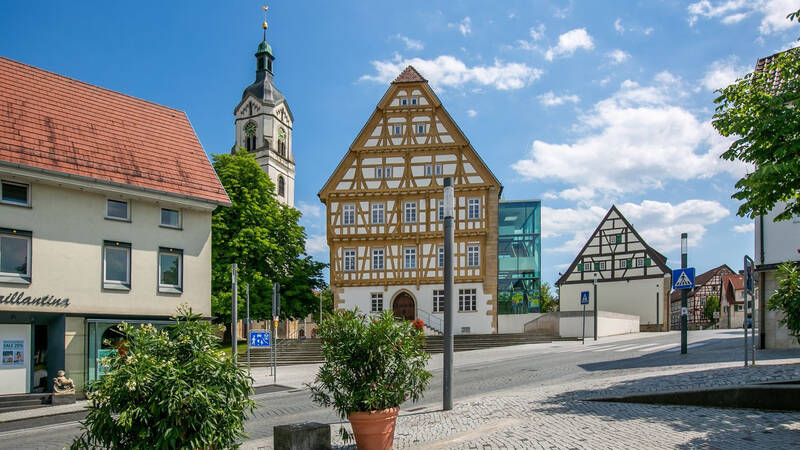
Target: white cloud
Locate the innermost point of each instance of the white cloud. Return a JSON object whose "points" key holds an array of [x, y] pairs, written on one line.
{"points": [[772, 12], [618, 26], [659, 223], [637, 139], [310, 210], [550, 99], [569, 42], [411, 44], [465, 26], [746, 228], [722, 73], [618, 56], [472, 113], [512, 15], [317, 245], [448, 71], [537, 32], [648, 31]]}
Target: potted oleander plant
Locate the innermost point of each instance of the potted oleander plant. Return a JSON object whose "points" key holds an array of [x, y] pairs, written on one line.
{"points": [[372, 365]]}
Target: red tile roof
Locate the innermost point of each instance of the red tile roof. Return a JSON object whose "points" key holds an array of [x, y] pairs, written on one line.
{"points": [[55, 123], [736, 280], [409, 75]]}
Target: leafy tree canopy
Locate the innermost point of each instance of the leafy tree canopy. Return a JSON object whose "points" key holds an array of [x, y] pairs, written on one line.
{"points": [[548, 301], [786, 298], [711, 306], [760, 111]]}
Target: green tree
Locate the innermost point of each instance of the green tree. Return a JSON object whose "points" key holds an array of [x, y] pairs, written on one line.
{"points": [[711, 306], [760, 111], [257, 232], [786, 298], [168, 389], [548, 301], [297, 289]]}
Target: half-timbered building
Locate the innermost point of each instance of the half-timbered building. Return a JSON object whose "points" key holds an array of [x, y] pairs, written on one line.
{"points": [[385, 209], [707, 284], [632, 277]]}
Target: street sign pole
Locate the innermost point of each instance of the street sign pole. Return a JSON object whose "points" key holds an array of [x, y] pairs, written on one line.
{"points": [[583, 338], [684, 312], [234, 308], [657, 327], [276, 289], [449, 212], [247, 325], [595, 306]]}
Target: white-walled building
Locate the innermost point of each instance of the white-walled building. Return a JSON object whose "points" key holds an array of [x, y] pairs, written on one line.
{"points": [[263, 125], [105, 215], [384, 214], [632, 277]]}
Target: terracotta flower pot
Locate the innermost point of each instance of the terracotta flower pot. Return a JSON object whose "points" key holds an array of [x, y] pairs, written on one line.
{"points": [[374, 430]]}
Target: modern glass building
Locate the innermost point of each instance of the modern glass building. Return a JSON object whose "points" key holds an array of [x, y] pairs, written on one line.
{"points": [[519, 254]]}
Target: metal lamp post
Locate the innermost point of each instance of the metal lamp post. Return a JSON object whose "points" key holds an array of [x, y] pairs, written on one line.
{"points": [[684, 311], [234, 309], [595, 306], [449, 212], [657, 287]]}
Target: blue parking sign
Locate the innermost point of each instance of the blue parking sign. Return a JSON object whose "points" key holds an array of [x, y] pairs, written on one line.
{"points": [[584, 297], [259, 339]]}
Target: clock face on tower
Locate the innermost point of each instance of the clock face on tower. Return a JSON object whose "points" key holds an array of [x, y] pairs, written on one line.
{"points": [[281, 134], [250, 129]]}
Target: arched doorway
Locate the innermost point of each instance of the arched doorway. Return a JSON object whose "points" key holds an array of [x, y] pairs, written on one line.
{"points": [[403, 307]]}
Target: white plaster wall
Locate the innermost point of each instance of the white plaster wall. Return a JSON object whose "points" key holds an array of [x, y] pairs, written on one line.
{"points": [[479, 321], [608, 324], [777, 336], [67, 258], [16, 380], [75, 350], [781, 239], [634, 297], [514, 323]]}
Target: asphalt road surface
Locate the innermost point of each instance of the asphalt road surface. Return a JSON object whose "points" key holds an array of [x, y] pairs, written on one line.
{"points": [[545, 364]]}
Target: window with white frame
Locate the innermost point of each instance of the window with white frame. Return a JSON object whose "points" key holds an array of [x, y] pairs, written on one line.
{"points": [[170, 270], [15, 193], [639, 262], [622, 263], [349, 260], [118, 209], [404, 101], [440, 256], [379, 172], [428, 170], [473, 208], [116, 265], [377, 258], [413, 101], [410, 258], [15, 256], [387, 172], [420, 129], [170, 218], [348, 214], [473, 256], [600, 265], [438, 169], [377, 302], [398, 130], [438, 300], [411, 212], [467, 299], [441, 211], [378, 211]]}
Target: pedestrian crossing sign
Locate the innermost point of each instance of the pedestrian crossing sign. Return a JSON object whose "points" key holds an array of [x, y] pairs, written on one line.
{"points": [[584, 297], [683, 278]]}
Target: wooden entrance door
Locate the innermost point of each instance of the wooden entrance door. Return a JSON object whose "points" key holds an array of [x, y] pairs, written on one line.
{"points": [[403, 307]]}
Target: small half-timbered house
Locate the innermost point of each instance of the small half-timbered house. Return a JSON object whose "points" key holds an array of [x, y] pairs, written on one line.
{"points": [[632, 278], [707, 284], [384, 215]]}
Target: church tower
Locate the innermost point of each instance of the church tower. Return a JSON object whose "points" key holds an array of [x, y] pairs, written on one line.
{"points": [[263, 124]]}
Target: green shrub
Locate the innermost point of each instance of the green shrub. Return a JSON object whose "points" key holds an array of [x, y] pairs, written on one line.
{"points": [[173, 388], [787, 297], [371, 363]]}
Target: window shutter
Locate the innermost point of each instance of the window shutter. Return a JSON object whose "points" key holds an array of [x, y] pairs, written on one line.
{"points": [[628, 263], [647, 262], [580, 267], [596, 266], [619, 239]]}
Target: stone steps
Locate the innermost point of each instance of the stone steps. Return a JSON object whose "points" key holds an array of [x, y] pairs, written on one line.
{"points": [[19, 402]]}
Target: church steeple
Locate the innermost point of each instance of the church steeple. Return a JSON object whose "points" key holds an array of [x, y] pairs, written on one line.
{"points": [[264, 55]]}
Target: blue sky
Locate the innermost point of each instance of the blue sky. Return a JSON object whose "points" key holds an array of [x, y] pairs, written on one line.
{"points": [[580, 104]]}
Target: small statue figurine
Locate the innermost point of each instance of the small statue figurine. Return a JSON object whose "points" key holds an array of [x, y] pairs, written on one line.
{"points": [[62, 384]]}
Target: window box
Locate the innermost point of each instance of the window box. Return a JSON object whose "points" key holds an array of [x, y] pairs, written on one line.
{"points": [[170, 270], [117, 265], [17, 194], [118, 210], [15, 256]]}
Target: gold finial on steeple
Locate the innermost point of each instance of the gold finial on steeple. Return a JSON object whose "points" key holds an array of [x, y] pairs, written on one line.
{"points": [[265, 18]]}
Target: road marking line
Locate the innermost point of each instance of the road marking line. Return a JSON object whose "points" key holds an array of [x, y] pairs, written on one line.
{"points": [[655, 349], [635, 347], [696, 344]]}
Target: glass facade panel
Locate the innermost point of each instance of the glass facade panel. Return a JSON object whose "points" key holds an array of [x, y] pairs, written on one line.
{"points": [[519, 256]]}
